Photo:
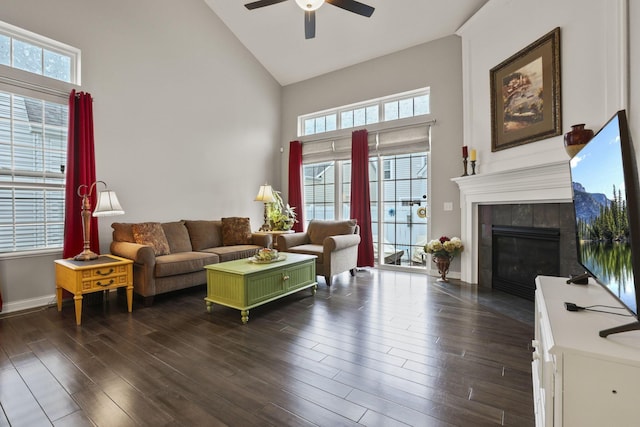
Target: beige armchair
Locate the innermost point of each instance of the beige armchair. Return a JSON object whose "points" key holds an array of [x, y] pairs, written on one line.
{"points": [[335, 243]]}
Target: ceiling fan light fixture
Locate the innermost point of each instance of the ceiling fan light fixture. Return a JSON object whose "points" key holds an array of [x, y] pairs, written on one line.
{"points": [[309, 5]]}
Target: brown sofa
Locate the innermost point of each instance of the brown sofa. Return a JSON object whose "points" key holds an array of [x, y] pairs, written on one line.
{"points": [[334, 243], [172, 255]]}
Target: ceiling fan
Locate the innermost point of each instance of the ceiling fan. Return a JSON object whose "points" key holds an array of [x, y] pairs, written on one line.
{"points": [[310, 7]]}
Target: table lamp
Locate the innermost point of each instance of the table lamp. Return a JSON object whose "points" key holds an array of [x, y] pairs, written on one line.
{"points": [[265, 195], [107, 205]]}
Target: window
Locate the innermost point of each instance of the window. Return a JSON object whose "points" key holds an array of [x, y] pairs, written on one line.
{"points": [[35, 54], [320, 124], [400, 106], [406, 107], [33, 150], [399, 228], [319, 190], [35, 73], [398, 164]]}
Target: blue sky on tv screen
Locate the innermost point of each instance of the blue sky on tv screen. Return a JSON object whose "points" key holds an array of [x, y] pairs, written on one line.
{"points": [[598, 166]]}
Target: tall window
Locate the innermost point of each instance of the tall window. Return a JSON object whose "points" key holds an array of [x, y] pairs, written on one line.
{"points": [[399, 131], [36, 76], [33, 150], [398, 206]]}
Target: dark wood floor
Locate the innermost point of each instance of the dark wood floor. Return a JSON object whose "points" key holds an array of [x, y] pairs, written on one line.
{"points": [[381, 349]]}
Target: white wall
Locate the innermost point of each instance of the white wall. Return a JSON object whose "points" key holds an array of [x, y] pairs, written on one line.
{"points": [[634, 73], [186, 121], [591, 69], [595, 78], [436, 64]]}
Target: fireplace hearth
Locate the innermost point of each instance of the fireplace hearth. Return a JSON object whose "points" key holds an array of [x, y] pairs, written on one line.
{"points": [[522, 253]]}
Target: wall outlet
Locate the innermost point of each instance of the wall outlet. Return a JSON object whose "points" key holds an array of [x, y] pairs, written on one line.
{"points": [[448, 206]]}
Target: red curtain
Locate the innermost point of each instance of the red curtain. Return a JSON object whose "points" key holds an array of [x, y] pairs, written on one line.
{"points": [[360, 200], [295, 183], [81, 169]]}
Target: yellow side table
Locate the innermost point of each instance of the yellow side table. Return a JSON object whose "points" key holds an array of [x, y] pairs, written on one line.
{"points": [[83, 277]]}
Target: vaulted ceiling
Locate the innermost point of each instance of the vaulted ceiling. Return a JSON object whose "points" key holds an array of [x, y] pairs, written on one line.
{"points": [[275, 34]]}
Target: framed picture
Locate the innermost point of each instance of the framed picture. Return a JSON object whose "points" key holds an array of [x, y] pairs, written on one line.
{"points": [[525, 95]]}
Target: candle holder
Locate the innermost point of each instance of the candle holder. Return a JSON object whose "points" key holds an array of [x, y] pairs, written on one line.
{"points": [[464, 162], [473, 167]]}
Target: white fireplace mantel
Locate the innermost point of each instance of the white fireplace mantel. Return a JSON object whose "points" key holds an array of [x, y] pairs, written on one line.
{"points": [[548, 183]]}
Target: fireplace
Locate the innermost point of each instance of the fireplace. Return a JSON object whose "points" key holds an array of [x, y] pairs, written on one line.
{"points": [[529, 196], [519, 254], [517, 242]]}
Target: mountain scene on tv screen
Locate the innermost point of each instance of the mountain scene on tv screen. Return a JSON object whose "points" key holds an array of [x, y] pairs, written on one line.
{"points": [[588, 205], [599, 218], [602, 221]]}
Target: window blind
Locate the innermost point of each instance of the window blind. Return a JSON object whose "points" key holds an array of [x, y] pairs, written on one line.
{"points": [[397, 140]]}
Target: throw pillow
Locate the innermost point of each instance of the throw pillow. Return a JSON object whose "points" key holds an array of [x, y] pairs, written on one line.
{"points": [[151, 234], [122, 232], [236, 231]]}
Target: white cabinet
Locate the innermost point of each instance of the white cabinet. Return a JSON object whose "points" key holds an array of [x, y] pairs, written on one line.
{"points": [[579, 378]]}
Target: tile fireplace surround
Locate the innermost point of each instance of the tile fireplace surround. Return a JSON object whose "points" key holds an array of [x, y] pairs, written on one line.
{"points": [[548, 183]]}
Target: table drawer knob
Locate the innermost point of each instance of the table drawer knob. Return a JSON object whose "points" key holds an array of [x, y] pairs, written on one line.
{"points": [[285, 277], [111, 282]]}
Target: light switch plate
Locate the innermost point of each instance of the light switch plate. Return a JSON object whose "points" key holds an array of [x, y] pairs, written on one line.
{"points": [[448, 206]]}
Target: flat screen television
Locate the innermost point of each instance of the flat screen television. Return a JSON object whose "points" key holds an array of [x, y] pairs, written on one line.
{"points": [[605, 199]]}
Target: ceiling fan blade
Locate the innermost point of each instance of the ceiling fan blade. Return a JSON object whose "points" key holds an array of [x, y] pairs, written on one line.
{"points": [[353, 6], [309, 24], [262, 3]]}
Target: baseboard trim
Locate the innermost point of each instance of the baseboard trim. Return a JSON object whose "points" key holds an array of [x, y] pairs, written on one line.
{"points": [[28, 304]]}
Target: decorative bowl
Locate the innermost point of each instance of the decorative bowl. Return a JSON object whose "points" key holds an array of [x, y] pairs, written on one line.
{"points": [[266, 254]]}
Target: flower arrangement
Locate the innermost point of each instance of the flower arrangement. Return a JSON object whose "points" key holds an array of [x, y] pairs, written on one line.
{"points": [[281, 216], [444, 247]]}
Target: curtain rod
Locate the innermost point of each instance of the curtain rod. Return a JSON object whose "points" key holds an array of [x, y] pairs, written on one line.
{"points": [[377, 132]]}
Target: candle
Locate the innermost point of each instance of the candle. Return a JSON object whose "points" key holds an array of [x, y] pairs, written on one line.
{"points": [[465, 153], [473, 155]]}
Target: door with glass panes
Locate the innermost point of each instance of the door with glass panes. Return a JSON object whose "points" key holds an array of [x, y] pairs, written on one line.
{"points": [[399, 207]]}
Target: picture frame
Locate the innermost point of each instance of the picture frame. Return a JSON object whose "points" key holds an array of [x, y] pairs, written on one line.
{"points": [[525, 95]]}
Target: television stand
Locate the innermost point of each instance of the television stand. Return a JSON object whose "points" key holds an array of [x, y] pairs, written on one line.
{"points": [[580, 379], [635, 326]]}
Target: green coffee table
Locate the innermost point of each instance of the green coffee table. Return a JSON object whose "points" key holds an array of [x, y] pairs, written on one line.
{"points": [[243, 284]]}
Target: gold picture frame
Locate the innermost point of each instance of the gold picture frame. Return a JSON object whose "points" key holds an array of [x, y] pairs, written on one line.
{"points": [[525, 95]]}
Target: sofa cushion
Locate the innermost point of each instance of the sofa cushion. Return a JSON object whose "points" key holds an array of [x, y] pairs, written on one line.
{"points": [[319, 230], [317, 250], [204, 234], [236, 231], [230, 253], [177, 236], [183, 262], [123, 232], [151, 234]]}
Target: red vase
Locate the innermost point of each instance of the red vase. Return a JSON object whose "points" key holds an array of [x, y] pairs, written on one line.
{"points": [[576, 139]]}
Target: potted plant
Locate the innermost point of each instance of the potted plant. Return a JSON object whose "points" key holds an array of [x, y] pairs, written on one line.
{"points": [[281, 216]]}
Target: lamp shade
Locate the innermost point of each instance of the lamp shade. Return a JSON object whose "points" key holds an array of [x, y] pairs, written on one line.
{"points": [[310, 4], [107, 204], [265, 194]]}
